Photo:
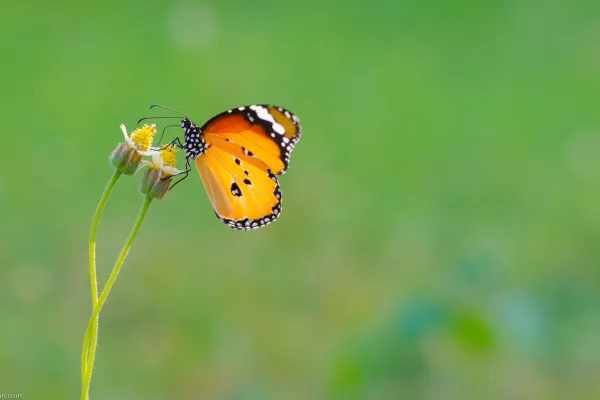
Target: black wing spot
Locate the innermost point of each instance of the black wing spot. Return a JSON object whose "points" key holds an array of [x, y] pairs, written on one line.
{"points": [[247, 181], [237, 161], [247, 152], [246, 173], [235, 190]]}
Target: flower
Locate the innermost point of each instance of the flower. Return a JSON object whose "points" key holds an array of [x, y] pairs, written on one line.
{"points": [[164, 160], [128, 155], [161, 169], [141, 138]]}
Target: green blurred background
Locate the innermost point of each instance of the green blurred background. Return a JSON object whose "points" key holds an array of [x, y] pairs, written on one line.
{"points": [[441, 224]]}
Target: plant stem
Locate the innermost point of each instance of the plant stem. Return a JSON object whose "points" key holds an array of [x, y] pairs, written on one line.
{"points": [[92, 256], [88, 338]]}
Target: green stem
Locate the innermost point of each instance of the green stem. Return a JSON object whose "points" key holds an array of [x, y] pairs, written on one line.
{"points": [[109, 284], [92, 256]]}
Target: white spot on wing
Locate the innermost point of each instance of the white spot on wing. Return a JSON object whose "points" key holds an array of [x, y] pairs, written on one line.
{"points": [[263, 114], [278, 128]]}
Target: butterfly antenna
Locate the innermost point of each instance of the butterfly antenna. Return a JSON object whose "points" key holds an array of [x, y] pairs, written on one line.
{"points": [[167, 108], [145, 118]]}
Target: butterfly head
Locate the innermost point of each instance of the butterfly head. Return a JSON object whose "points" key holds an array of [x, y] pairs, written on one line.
{"points": [[186, 124]]}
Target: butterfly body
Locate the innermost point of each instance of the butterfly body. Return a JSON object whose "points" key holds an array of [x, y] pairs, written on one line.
{"points": [[239, 154], [194, 144]]}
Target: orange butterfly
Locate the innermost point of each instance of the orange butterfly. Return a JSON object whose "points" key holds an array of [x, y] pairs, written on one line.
{"points": [[239, 154]]}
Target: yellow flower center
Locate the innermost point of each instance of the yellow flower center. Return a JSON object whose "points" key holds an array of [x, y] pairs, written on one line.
{"points": [[142, 137], [168, 156]]}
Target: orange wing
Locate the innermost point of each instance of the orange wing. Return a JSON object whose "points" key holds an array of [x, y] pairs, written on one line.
{"points": [[243, 191], [267, 133], [239, 154]]}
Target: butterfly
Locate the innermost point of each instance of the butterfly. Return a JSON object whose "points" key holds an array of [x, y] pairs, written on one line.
{"points": [[239, 155]]}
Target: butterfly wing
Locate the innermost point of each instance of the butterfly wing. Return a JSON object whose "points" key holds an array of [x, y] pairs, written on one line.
{"points": [[243, 191], [239, 154], [267, 133]]}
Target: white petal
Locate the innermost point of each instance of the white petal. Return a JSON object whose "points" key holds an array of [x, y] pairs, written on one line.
{"points": [[129, 141], [147, 153], [171, 171], [157, 159]]}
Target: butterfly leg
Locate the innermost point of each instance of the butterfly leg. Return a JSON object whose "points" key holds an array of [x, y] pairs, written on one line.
{"points": [[163, 132], [176, 142], [186, 172]]}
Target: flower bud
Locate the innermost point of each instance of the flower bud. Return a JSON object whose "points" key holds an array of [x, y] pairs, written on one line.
{"points": [[125, 159], [158, 175], [154, 183]]}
